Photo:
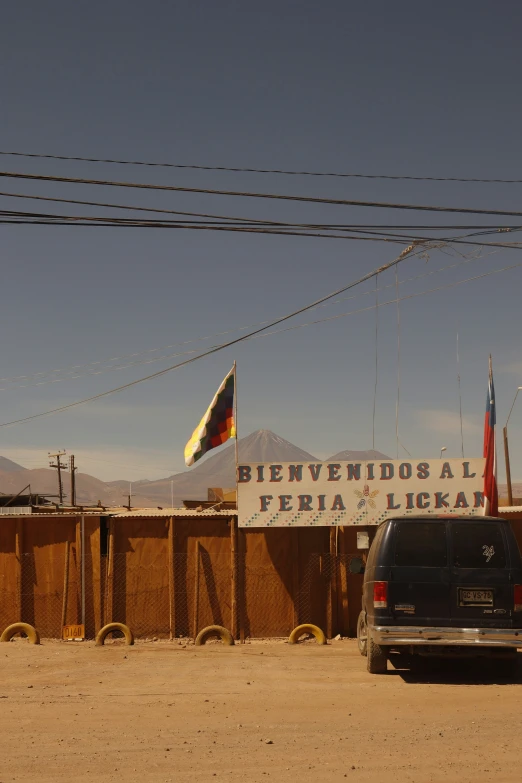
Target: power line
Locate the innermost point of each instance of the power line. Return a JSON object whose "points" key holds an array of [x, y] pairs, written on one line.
{"points": [[257, 333], [258, 221], [393, 301], [74, 371], [288, 329], [32, 218], [102, 222], [71, 221], [411, 249], [248, 194], [243, 169]]}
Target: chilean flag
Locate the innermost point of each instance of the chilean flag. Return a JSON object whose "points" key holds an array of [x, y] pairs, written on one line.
{"points": [[490, 451]]}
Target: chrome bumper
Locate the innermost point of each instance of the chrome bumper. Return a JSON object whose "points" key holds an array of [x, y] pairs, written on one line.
{"points": [[392, 636]]}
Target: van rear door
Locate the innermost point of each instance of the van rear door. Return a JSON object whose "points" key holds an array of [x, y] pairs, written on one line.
{"points": [[481, 579], [419, 587]]}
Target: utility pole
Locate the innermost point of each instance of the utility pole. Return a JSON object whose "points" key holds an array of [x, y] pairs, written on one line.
{"points": [[73, 470], [508, 467], [129, 497], [506, 451], [59, 467]]}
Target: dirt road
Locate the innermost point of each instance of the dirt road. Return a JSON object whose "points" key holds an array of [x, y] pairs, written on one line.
{"points": [[160, 711]]}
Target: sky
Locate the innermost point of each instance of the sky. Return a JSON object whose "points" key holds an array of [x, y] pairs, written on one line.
{"points": [[406, 88]]}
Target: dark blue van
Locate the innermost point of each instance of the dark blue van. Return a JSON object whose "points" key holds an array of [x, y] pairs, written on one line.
{"points": [[441, 586]]}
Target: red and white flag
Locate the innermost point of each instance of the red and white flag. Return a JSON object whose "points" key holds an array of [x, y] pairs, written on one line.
{"points": [[490, 451]]}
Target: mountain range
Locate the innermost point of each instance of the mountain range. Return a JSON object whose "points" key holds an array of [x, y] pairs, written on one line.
{"points": [[217, 470]]}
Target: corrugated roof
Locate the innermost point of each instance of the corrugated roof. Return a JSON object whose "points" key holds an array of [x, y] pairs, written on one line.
{"points": [[55, 514], [175, 512]]}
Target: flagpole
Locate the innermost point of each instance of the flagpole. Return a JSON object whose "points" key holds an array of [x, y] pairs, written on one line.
{"points": [[235, 422]]}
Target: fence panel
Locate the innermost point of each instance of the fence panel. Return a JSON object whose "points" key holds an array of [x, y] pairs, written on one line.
{"points": [[177, 596]]}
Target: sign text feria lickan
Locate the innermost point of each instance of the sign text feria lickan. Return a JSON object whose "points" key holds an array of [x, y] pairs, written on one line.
{"points": [[291, 494]]}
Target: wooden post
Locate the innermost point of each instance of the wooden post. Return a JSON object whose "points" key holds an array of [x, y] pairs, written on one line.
{"points": [[242, 586], [508, 468], [82, 579], [196, 592], [332, 591], [344, 604], [295, 576], [234, 575], [109, 582], [66, 583], [172, 622], [19, 558]]}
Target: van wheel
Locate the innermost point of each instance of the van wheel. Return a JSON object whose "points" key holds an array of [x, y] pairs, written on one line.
{"points": [[377, 657], [362, 633]]}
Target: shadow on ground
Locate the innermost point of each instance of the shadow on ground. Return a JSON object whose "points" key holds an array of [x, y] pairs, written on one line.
{"points": [[480, 671]]}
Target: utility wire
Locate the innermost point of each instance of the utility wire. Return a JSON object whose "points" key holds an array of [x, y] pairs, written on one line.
{"points": [[24, 218], [242, 169], [258, 221], [248, 194], [375, 307], [86, 222], [71, 221], [74, 371], [411, 249]]}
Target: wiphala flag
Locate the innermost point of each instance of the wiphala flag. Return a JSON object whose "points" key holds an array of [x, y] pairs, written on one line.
{"points": [[217, 425]]}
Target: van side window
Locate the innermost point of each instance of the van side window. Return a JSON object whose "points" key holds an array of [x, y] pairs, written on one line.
{"points": [[421, 544], [478, 545], [375, 545]]}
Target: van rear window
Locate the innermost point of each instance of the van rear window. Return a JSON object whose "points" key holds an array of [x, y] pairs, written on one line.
{"points": [[421, 544], [478, 545]]}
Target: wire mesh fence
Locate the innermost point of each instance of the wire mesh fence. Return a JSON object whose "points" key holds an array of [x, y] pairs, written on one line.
{"points": [[176, 595]]}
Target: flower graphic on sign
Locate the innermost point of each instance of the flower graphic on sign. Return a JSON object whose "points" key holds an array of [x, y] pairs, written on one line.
{"points": [[366, 497]]}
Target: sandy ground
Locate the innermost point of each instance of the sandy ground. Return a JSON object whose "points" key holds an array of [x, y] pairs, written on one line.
{"points": [[164, 712]]}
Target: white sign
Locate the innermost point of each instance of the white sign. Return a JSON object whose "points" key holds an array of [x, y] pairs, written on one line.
{"points": [[288, 494]]}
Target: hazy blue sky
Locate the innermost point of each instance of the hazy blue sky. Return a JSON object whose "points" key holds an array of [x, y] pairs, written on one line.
{"points": [[397, 88]]}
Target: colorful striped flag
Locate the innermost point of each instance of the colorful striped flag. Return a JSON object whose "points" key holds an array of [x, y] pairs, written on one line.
{"points": [[490, 451], [217, 425]]}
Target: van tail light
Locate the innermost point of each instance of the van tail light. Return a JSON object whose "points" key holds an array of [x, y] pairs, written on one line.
{"points": [[517, 598], [380, 595]]}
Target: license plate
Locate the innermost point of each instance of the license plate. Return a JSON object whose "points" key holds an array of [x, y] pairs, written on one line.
{"points": [[475, 597], [73, 633]]}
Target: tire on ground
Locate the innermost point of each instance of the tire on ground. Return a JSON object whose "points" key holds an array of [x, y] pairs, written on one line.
{"points": [[307, 628], [377, 657], [362, 633], [214, 630], [107, 629], [29, 630]]}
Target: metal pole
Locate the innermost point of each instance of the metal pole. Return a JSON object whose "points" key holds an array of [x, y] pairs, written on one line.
{"points": [[171, 579], [460, 399], [83, 568], [233, 569], [235, 422], [506, 451], [196, 593], [508, 468]]}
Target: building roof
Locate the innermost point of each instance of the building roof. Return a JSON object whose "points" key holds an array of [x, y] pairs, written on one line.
{"points": [[175, 512]]}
